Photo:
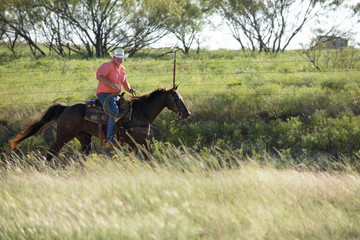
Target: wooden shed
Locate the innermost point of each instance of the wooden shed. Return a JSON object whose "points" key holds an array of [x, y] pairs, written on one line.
{"points": [[333, 42]]}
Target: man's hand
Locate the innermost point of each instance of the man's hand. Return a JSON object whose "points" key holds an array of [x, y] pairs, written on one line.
{"points": [[132, 91]]}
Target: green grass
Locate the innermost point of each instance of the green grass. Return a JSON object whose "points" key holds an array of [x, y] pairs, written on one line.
{"points": [[184, 195], [246, 101]]}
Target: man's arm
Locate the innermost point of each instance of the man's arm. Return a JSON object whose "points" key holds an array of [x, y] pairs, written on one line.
{"points": [[127, 87], [107, 82]]}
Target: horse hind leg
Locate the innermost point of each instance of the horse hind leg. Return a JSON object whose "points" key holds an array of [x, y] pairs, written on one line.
{"points": [[85, 140], [61, 140], [68, 126], [54, 150]]}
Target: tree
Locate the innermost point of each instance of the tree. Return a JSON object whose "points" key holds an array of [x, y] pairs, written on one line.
{"points": [[146, 24], [95, 27], [10, 40], [85, 26], [266, 25], [356, 9], [56, 34], [20, 18], [188, 23]]}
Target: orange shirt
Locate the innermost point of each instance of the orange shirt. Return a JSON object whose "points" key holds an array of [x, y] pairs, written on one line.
{"points": [[114, 74]]}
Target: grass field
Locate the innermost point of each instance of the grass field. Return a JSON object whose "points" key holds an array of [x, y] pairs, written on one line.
{"points": [[271, 151], [190, 197], [252, 102]]}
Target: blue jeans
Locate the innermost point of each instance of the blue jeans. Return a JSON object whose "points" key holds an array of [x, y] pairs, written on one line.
{"points": [[110, 107]]}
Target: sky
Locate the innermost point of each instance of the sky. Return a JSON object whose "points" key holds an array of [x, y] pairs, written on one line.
{"points": [[221, 38]]}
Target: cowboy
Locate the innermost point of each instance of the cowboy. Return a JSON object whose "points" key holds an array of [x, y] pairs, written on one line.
{"points": [[111, 76]]}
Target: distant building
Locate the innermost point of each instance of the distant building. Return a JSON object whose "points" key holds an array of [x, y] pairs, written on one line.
{"points": [[333, 42]]}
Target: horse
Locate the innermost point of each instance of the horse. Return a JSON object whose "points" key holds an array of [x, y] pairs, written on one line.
{"points": [[71, 122]]}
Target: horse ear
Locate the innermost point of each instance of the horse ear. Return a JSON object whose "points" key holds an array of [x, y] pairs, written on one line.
{"points": [[175, 87]]}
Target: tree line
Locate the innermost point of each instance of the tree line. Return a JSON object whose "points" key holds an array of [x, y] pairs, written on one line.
{"points": [[92, 28]]}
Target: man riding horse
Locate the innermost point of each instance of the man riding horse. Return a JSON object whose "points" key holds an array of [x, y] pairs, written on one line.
{"points": [[111, 76], [71, 121]]}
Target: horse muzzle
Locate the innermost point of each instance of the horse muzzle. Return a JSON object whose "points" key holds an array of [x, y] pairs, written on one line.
{"points": [[183, 116]]}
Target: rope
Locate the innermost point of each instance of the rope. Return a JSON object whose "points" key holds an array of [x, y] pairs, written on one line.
{"points": [[108, 110]]}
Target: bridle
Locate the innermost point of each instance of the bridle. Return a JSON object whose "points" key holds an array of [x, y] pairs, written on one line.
{"points": [[175, 104]]}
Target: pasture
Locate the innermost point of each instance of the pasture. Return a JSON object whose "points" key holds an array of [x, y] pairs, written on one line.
{"points": [[271, 150], [255, 103], [186, 195]]}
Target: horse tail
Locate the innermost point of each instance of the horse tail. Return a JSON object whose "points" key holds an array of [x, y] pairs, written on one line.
{"points": [[50, 115]]}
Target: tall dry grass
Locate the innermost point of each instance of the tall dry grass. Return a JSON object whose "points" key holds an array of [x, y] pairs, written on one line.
{"points": [[184, 195]]}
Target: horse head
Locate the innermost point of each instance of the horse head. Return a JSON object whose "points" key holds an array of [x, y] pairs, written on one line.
{"points": [[176, 104]]}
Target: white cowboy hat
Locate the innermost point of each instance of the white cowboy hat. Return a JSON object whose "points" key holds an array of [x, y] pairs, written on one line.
{"points": [[119, 53]]}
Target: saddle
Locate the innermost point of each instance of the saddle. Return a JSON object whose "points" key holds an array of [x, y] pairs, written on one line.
{"points": [[95, 113]]}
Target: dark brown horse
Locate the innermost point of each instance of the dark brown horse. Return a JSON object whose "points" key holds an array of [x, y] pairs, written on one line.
{"points": [[71, 122]]}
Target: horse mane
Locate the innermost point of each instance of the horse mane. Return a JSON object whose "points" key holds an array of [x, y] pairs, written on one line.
{"points": [[146, 97]]}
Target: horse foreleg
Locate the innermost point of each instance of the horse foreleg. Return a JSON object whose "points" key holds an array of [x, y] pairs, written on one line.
{"points": [[145, 145], [138, 141]]}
